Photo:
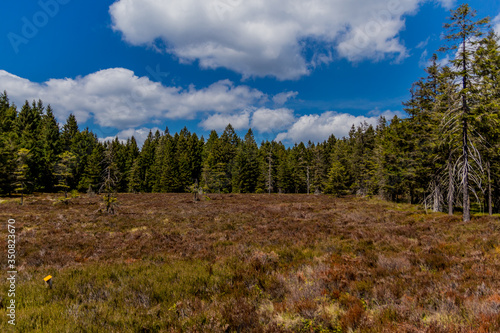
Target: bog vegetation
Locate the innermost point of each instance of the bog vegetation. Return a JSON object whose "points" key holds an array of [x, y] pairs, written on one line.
{"points": [[246, 254], [250, 263], [445, 154]]}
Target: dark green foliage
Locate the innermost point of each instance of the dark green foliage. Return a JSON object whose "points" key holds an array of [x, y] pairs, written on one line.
{"points": [[446, 150], [246, 166]]}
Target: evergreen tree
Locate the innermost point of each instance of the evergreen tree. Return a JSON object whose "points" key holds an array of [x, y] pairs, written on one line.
{"points": [[8, 144], [51, 146], [28, 125], [63, 171], [246, 165], [131, 155], [146, 161], [487, 92], [91, 176], [110, 178], [134, 178], [69, 133], [21, 173], [165, 165], [463, 32]]}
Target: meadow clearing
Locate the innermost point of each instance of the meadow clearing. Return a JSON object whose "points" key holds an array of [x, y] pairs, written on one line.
{"points": [[249, 263]]}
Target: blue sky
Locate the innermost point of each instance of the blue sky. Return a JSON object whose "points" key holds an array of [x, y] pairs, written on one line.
{"points": [[293, 70]]}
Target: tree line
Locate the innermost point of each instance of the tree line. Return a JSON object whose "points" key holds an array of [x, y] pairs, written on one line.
{"points": [[445, 154]]}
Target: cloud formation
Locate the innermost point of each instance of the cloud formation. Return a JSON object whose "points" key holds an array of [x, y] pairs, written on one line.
{"points": [[269, 121], [118, 98], [218, 121], [496, 24], [266, 38], [140, 135], [318, 127], [281, 98]]}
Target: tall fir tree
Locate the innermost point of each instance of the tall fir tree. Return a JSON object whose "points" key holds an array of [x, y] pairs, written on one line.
{"points": [[463, 33]]}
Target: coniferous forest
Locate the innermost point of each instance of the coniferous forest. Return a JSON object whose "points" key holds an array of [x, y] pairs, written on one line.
{"points": [[394, 235], [444, 154]]}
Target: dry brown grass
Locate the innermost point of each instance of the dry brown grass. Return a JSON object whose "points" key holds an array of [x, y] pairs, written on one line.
{"points": [[255, 263]]}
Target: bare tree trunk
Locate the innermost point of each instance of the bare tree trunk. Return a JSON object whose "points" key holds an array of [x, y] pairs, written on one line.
{"points": [[490, 201], [451, 188], [465, 182], [436, 207]]}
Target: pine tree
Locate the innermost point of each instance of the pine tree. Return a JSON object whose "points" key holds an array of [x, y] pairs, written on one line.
{"points": [[284, 174], [426, 154], [338, 180], [146, 161], [8, 144], [268, 161], [63, 171], [165, 165], [91, 176], [246, 165], [335, 183], [69, 133], [21, 173], [82, 147], [110, 178], [28, 125], [463, 33], [225, 154], [134, 178], [51, 146], [131, 155], [487, 91]]}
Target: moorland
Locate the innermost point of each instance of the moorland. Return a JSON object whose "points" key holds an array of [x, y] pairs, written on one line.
{"points": [[249, 263]]}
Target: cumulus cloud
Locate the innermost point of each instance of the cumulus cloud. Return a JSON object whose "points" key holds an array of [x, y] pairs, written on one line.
{"points": [[266, 38], [140, 135], [118, 98], [496, 24], [219, 121], [318, 127], [282, 98], [262, 120], [268, 120]]}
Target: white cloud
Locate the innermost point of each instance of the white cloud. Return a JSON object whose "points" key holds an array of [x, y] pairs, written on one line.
{"points": [[268, 121], [317, 128], [282, 98], [423, 44], [424, 59], [118, 98], [496, 24], [219, 121], [263, 120], [266, 38], [140, 135]]}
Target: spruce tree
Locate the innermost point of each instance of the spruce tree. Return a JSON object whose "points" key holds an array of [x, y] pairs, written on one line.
{"points": [[91, 176], [63, 171], [487, 91], [246, 165], [21, 173], [463, 33], [51, 145]]}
